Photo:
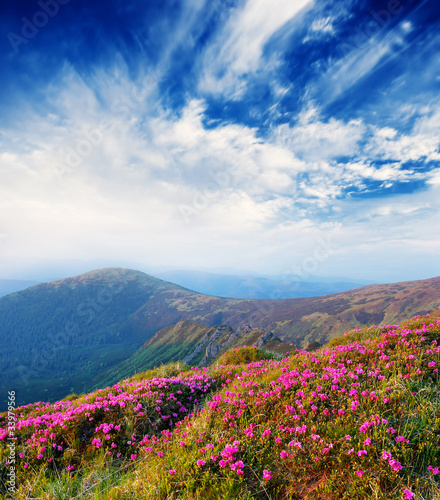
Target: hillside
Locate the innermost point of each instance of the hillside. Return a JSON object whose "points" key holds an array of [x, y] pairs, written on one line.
{"points": [[357, 419], [195, 345], [63, 336], [66, 331], [306, 319]]}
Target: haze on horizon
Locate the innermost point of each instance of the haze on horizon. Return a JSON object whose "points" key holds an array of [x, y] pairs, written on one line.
{"points": [[248, 135]]}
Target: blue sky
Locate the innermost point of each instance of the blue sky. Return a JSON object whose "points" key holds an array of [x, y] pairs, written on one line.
{"points": [[269, 136]]}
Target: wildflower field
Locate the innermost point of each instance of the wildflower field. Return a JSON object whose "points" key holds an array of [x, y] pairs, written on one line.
{"points": [[357, 419]]}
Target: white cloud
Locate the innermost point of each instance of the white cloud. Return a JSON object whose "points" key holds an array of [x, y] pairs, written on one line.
{"points": [[434, 177], [422, 143], [406, 26], [312, 139], [239, 46], [369, 49], [249, 196], [323, 25], [386, 172]]}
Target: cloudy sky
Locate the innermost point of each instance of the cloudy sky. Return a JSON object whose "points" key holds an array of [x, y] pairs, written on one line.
{"points": [[269, 136]]}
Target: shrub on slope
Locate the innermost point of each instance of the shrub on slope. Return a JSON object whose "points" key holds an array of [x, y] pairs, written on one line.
{"points": [[244, 355], [357, 419]]}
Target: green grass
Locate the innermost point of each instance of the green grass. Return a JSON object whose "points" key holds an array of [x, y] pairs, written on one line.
{"points": [[292, 428]]}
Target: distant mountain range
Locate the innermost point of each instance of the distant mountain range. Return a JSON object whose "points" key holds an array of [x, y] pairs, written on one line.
{"points": [[11, 286], [259, 287], [67, 335], [240, 286]]}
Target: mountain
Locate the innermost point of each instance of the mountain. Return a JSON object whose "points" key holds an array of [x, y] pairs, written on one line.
{"points": [[63, 336], [56, 336], [11, 286], [258, 287]]}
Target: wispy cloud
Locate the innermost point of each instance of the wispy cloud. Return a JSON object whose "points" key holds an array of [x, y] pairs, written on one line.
{"points": [[233, 141], [238, 48]]}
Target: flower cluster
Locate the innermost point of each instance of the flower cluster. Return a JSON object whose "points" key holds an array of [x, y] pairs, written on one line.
{"points": [[361, 413]]}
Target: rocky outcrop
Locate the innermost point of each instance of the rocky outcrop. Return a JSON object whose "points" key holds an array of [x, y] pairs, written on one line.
{"points": [[206, 341], [264, 339], [213, 347]]}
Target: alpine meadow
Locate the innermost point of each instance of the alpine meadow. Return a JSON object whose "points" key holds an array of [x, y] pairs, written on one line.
{"points": [[220, 250]]}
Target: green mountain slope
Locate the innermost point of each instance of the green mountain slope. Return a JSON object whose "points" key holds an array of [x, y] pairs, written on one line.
{"points": [[61, 337], [194, 344], [173, 343], [56, 336]]}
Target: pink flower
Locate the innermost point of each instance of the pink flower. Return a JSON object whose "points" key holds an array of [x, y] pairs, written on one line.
{"points": [[172, 471], [367, 442], [401, 439], [201, 463], [267, 475], [283, 455], [360, 473], [408, 494], [238, 465], [395, 464], [362, 452]]}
